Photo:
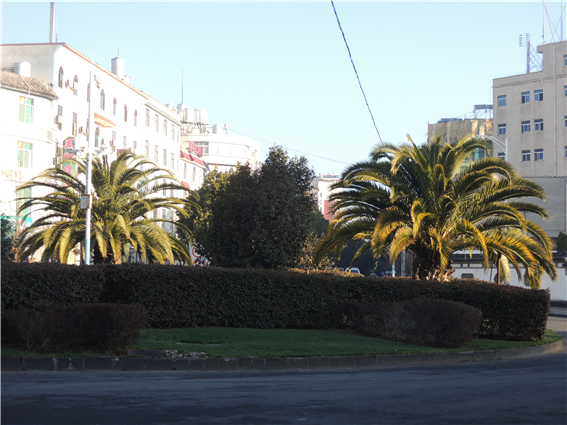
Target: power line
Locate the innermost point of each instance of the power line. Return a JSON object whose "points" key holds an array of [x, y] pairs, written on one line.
{"points": [[289, 149], [351, 61]]}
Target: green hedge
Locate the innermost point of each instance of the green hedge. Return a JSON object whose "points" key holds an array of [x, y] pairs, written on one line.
{"points": [[177, 296], [43, 286]]}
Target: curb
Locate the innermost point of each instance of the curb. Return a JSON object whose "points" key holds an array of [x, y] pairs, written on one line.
{"points": [[269, 364]]}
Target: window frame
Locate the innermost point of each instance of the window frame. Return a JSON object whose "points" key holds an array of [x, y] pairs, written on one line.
{"points": [[538, 125], [526, 126], [102, 100], [538, 95], [97, 137], [538, 154], [501, 129], [525, 97], [26, 110], [501, 100], [114, 104], [135, 118], [526, 155], [61, 77], [125, 113], [24, 155], [74, 126]]}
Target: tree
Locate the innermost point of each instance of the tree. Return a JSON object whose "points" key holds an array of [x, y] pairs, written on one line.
{"points": [[432, 200], [262, 218], [197, 213], [127, 200], [561, 242], [8, 229]]}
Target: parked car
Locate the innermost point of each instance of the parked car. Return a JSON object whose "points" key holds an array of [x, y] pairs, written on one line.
{"points": [[353, 270]]}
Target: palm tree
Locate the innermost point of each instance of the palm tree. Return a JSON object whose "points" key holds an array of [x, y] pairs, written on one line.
{"points": [[432, 200], [128, 195]]}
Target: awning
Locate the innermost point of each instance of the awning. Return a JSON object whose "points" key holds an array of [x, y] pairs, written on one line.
{"points": [[185, 184], [102, 121], [192, 158]]}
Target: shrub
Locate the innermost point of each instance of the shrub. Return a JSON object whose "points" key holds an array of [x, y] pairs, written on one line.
{"points": [[43, 286], [423, 321], [97, 327]]}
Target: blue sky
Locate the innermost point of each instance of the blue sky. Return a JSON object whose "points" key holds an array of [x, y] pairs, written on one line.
{"points": [[280, 72]]}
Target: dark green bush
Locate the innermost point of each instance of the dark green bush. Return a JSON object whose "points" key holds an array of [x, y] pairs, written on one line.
{"points": [[423, 321], [177, 296], [78, 327], [43, 285]]}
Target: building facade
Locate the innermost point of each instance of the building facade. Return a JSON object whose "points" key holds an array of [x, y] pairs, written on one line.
{"points": [[530, 115], [322, 184]]}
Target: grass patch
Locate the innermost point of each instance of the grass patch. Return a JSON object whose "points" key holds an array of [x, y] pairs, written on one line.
{"points": [[241, 342]]}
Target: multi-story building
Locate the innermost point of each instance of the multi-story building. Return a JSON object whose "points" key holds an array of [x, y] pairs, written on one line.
{"points": [[530, 115], [322, 185], [530, 118], [27, 144], [219, 149], [49, 92]]}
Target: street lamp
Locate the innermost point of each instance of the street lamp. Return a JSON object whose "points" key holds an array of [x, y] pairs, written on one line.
{"points": [[499, 143]]}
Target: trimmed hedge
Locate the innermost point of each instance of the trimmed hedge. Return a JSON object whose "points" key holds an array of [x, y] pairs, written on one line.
{"points": [[178, 296], [41, 286], [423, 321], [98, 327]]}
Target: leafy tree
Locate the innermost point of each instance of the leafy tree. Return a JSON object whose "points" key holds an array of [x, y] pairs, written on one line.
{"points": [[431, 200], [561, 242], [262, 218], [319, 224], [8, 229], [197, 214], [128, 195]]}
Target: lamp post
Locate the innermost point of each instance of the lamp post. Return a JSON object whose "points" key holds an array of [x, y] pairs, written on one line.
{"points": [[499, 143]]}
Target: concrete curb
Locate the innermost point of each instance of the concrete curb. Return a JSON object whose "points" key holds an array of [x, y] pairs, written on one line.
{"points": [[269, 364]]}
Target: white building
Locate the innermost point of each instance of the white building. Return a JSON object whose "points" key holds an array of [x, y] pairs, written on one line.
{"points": [[64, 86], [26, 133], [219, 149], [322, 185]]}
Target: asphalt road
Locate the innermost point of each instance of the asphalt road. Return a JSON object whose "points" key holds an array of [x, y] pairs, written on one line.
{"points": [[515, 392]]}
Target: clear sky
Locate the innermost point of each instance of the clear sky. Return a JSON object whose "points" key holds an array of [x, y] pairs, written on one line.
{"points": [[280, 72]]}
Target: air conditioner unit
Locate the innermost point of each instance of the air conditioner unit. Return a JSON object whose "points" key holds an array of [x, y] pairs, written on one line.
{"points": [[59, 119]]}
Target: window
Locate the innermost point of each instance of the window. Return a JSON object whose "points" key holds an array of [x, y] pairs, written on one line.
{"points": [[74, 128], [525, 97], [525, 126], [147, 117], [502, 100], [172, 132], [501, 129], [565, 88], [565, 60], [165, 127], [502, 156], [114, 107], [23, 193], [26, 109], [172, 161], [165, 157], [135, 118], [96, 137], [89, 93], [59, 117], [157, 122], [538, 95], [75, 85], [147, 149], [24, 155], [164, 194], [185, 171], [156, 154], [102, 99], [538, 154], [525, 156], [125, 113], [565, 120], [135, 145], [194, 174], [538, 125], [204, 146], [125, 142], [60, 81], [113, 138]]}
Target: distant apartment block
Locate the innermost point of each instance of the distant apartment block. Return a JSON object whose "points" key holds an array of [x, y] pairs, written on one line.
{"points": [[530, 113], [322, 185]]}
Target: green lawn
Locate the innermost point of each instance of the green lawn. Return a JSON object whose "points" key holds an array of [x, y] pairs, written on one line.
{"points": [[238, 342]]}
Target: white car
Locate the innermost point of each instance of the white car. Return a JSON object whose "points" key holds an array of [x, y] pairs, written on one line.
{"points": [[353, 270]]}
